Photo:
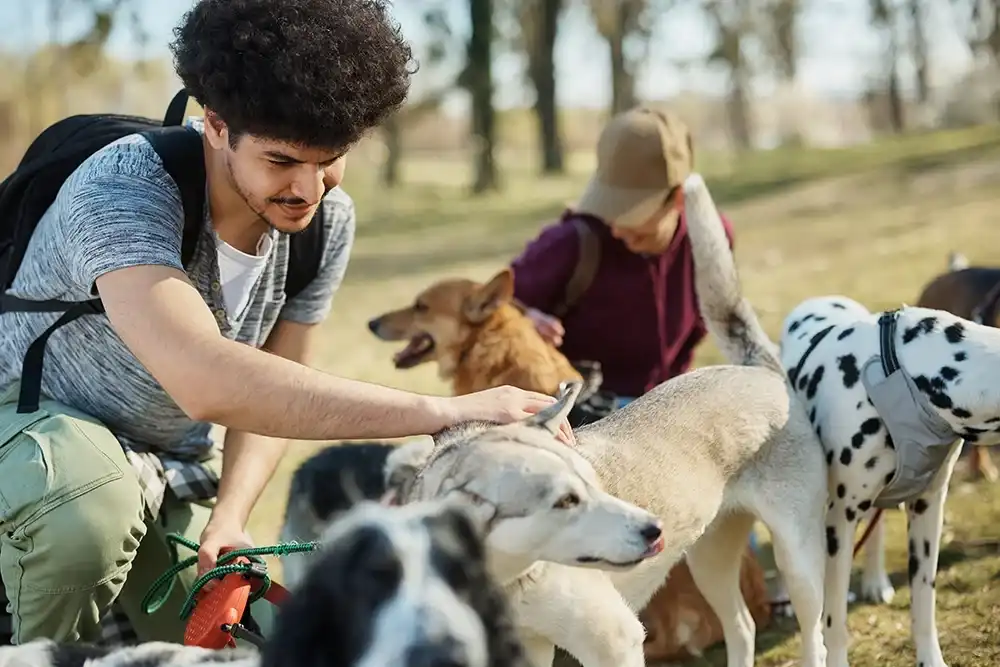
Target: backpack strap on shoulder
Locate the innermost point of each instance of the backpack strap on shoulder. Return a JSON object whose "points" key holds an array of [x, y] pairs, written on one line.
{"points": [[588, 261], [183, 157], [305, 251], [174, 114], [305, 254]]}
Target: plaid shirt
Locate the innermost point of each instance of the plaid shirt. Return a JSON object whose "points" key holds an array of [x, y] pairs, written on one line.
{"points": [[189, 480]]}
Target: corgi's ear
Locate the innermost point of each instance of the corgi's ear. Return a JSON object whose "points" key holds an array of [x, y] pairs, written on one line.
{"points": [[484, 301]]}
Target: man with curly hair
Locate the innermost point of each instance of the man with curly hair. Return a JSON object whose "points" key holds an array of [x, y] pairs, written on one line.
{"points": [[119, 453]]}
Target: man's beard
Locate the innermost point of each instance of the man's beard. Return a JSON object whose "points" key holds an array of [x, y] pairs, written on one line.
{"points": [[238, 189]]}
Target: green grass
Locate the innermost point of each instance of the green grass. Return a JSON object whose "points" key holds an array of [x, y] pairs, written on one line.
{"points": [[873, 222]]}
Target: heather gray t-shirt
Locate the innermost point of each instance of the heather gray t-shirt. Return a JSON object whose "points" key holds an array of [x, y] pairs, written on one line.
{"points": [[121, 209]]}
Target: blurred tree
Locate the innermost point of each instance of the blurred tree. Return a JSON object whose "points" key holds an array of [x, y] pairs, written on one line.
{"points": [[437, 48], [781, 35], [884, 17], [920, 48], [627, 27], [538, 27], [735, 24], [980, 21], [478, 80], [80, 55]]}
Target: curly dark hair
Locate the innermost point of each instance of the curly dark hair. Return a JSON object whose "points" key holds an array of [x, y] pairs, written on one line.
{"points": [[317, 73]]}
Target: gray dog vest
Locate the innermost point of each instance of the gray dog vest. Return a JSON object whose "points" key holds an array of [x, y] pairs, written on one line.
{"points": [[921, 437]]}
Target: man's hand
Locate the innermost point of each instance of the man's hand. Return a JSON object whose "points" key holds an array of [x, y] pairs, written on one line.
{"points": [[549, 327], [220, 534], [504, 404]]}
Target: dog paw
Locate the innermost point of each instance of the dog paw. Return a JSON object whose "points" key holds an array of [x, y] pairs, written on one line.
{"points": [[877, 590]]}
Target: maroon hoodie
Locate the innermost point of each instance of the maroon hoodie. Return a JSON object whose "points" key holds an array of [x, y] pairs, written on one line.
{"points": [[639, 318]]}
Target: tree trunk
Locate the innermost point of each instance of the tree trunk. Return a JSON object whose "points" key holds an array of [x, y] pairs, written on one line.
{"points": [[622, 82], [739, 112], [897, 116], [543, 76], [921, 55], [480, 78], [894, 92]]}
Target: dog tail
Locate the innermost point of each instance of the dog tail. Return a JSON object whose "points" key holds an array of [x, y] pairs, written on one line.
{"points": [[957, 261], [728, 316]]}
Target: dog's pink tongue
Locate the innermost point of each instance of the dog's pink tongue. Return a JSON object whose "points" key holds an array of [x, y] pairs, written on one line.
{"points": [[656, 547], [411, 348]]}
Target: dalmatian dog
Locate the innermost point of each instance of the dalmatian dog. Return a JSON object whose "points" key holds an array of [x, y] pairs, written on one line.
{"points": [[892, 396]]}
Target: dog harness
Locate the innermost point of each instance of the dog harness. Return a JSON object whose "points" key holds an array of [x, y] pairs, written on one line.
{"points": [[922, 439]]}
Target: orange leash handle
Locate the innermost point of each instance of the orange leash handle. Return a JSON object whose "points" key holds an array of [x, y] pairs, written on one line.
{"points": [[218, 600]]}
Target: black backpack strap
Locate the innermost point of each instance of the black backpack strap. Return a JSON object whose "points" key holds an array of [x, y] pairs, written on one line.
{"points": [[305, 254], [174, 115], [183, 155], [31, 369]]}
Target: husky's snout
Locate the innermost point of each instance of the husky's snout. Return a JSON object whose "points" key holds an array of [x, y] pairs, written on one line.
{"points": [[650, 535], [616, 535], [653, 534]]}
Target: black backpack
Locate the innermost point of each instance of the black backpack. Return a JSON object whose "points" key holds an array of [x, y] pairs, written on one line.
{"points": [[52, 157]]}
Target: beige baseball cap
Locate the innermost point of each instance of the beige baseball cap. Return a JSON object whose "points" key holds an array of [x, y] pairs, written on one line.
{"points": [[642, 155]]}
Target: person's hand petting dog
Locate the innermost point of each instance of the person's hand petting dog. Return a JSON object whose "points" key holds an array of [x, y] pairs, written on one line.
{"points": [[505, 404], [547, 326]]}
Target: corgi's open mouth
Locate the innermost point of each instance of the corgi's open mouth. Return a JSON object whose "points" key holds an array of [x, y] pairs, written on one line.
{"points": [[418, 350]]}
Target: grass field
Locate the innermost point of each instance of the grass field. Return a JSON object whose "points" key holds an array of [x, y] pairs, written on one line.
{"points": [[873, 223]]}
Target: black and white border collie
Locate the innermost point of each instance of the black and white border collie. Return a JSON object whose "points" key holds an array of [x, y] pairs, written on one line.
{"points": [[402, 586]]}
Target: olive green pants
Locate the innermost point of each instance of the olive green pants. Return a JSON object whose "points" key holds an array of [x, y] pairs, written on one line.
{"points": [[72, 534]]}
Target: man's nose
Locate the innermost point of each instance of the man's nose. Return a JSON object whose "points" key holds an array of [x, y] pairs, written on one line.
{"points": [[308, 186]]}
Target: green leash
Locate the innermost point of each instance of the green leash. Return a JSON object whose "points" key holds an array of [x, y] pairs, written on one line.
{"points": [[158, 593]]}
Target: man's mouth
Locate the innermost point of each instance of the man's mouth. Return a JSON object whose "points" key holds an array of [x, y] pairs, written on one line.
{"points": [[295, 209], [416, 351]]}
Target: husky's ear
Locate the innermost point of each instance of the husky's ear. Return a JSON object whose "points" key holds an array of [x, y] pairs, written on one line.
{"points": [[484, 301], [403, 464], [551, 417]]}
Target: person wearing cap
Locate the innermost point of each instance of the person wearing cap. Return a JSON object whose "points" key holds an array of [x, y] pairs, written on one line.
{"points": [[639, 315]]}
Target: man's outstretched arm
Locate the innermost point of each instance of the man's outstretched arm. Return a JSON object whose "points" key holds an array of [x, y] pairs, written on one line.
{"points": [[170, 329]]}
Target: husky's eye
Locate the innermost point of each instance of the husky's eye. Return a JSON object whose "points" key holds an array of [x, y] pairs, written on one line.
{"points": [[420, 307], [567, 501]]}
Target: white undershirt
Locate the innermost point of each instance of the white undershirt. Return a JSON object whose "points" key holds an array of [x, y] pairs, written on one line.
{"points": [[239, 272]]}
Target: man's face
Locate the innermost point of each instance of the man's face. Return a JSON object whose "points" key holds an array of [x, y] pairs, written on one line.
{"points": [[654, 235], [282, 183]]}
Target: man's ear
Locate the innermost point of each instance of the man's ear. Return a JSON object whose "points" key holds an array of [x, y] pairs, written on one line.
{"points": [[484, 301], [216, 130]]}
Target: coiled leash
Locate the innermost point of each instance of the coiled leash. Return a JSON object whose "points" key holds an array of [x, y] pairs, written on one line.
{"points": [[216, 618]]}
